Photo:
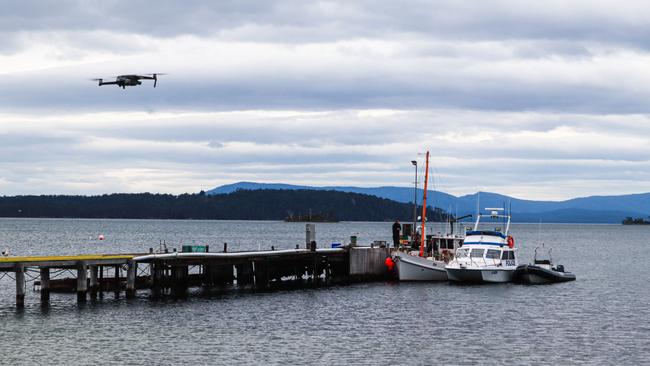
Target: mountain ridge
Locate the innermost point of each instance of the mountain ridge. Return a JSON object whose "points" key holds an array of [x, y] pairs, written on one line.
{"points": [[589, 209]]}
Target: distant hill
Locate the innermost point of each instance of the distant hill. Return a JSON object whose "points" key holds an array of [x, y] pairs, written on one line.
{"points": [[267, 204], [594, 209]]}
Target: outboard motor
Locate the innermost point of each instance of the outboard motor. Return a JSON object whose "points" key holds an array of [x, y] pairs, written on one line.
{"points": [[560, 268]]}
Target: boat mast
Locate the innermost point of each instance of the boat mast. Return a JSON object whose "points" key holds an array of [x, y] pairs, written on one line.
{"points": [[423, 233]]}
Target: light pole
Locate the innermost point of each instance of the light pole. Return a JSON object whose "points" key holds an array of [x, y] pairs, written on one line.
{"points": [[415, 197]]}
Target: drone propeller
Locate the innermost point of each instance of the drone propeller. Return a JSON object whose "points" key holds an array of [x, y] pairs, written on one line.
{"points": [[100, 81], [155, 77]]}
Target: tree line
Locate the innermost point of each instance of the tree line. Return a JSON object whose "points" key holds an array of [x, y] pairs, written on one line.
{"points": [[636, 221], [260, 204]]}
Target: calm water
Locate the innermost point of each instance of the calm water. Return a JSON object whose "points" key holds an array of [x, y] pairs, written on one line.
{"points": [[602, 318]]}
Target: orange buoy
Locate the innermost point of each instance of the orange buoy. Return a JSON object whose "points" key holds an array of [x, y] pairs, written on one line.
{"points": [[389, 263], [511, 241]]}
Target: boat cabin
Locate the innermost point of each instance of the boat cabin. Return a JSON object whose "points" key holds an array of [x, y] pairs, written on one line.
{"points": [[443, 247], [496, 256]]}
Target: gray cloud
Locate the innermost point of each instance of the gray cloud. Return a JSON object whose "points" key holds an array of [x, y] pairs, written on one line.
{"points": [[578, 20], [537, 100], [471, 150]]}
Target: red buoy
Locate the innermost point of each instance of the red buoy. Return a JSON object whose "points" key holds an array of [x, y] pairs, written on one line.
{"points": [[389, 263], [511, 241], [101, 237]]}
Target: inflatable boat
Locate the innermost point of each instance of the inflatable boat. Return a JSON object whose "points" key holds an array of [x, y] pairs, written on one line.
{"points": [[542, 272]]}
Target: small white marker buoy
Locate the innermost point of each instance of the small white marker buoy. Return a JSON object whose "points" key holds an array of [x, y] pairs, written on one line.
{"points": [[5, 253]]}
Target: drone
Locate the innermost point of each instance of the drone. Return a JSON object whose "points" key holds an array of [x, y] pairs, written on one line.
{"points": [[129, 80]]}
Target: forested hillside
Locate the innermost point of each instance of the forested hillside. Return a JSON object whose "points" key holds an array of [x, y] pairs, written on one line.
{"points": [[263, 204]]}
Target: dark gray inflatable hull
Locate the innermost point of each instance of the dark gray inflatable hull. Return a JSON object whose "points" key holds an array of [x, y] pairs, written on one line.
{"points": [[536, 275]]}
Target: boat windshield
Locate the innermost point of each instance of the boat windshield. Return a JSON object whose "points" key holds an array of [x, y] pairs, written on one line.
{"points": [[493, 254], [462, 253], [477, 253]]}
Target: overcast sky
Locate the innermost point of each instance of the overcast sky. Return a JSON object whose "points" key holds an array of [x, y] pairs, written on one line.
{"points": [[540, 100]]}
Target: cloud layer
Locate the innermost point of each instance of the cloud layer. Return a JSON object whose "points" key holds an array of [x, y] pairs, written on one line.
{"points": [[536, 100]]}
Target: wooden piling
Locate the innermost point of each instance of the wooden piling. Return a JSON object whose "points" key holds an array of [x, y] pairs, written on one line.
{"points": [[206, 272], [93, 281], [20, 286], [82, 282], [117, 285], [158, 277], [261, 275], [179, 286], [45, 285], [220, 275], [102, 285], [244, 274], [132, 268]]}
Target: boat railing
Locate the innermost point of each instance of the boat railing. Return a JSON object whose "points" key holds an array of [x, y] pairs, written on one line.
{"points": [[550, 257]]}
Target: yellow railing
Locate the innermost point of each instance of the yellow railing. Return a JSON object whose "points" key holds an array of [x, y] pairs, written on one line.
{"points": [[81, 257]]}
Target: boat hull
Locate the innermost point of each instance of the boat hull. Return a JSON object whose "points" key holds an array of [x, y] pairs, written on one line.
{"points": [[412, 268], [536, 275], [475, 275]]}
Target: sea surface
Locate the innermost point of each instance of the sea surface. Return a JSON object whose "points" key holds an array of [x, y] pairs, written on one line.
{"points": [[603, 318]]}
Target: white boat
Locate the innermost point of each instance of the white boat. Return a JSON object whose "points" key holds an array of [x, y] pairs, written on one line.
{"points": [[427, 263], [412, 267], [486, 256], [439, 250]]}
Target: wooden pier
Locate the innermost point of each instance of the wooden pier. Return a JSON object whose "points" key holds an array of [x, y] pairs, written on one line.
{"points": [[172, 274]]}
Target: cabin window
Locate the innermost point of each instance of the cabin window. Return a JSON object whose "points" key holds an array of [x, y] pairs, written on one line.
{"points": [[493, 254], [462, 253], [477, 253], [505, 255], [512, 255]]}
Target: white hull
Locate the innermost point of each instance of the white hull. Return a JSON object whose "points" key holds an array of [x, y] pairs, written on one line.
{"points": [[412, 268], [480, 275]]}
